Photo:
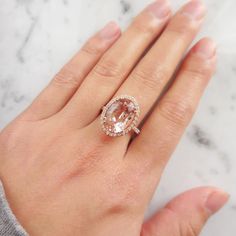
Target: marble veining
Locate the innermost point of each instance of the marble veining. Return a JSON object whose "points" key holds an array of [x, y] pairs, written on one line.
{"points": [[125, 6], [38, 37], [200, 137]]}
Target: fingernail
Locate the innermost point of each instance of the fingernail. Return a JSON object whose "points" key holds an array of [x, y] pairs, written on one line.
{"points": [[205, 48], [160, 8], [216, 200], [110, 30], [195, 10]]}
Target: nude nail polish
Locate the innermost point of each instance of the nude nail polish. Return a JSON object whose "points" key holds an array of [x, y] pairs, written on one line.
{"points": [[195, 10], [110, 30], [216, 200], [205, 48], [160, 8]]}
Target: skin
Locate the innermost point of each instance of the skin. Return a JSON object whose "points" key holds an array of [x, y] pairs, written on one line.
{"points": [[63, 176]]}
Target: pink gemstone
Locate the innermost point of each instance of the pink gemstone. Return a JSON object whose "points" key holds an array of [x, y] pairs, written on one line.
{"points": [[120, 115]]}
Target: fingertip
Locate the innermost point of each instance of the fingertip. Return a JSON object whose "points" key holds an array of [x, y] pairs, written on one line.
{"points": [[160, 9], [206, 197], [110, 30], [216, 200], [194, 9], [192, 207], [205, 48]]}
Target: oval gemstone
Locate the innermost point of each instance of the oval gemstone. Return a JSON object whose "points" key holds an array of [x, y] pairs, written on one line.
{"points": [[119, 116]]}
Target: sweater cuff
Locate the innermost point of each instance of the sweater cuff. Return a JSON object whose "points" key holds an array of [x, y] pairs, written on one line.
{"points": [[9, 226]]}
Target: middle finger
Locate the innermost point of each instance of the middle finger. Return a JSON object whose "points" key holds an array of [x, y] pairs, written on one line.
{"points": [[149, 78]]}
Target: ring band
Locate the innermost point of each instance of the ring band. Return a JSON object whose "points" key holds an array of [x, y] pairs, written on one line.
{"points": [[120, 116], [136, 130]]}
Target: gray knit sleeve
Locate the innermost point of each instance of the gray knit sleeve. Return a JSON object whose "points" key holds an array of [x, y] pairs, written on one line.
{"points": [[8, 222]]}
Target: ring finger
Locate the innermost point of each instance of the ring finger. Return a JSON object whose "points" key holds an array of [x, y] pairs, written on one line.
{"points": [[154, 71]]}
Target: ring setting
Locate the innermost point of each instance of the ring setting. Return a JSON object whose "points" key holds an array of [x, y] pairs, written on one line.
{"points": [[120, 116]]}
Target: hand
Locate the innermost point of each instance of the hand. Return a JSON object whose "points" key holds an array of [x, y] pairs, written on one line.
{"points": [[64, 176]]}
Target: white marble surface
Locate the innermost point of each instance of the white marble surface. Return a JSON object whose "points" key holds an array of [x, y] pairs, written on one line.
{"points": [[38, 37]]}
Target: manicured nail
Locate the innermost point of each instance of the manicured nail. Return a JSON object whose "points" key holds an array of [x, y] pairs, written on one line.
{"points": [[160, 8], [216, 200], [195, 10], [206, 48], [110, 30]]}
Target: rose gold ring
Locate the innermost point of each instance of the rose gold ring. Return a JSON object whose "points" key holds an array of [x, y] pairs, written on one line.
{"points": [[120, 116]]}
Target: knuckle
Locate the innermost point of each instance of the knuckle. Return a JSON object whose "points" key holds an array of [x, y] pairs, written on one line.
{"points": [[198, 71], [122, 194], [177, 112], [190, 229], [107, 68], [67, 77], [185, 227], [152, 78], [118, 204], [181, 26], [10, 136], [182, 227], [89, 157], [104, 139]]}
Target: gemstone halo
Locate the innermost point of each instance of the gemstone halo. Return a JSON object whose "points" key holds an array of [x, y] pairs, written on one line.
{"points": [[120, 116]]}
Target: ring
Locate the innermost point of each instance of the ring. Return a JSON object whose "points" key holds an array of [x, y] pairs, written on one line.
{"points": [[120, 116]]}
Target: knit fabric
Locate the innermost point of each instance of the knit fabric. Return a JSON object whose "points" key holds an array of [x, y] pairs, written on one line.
{"points": [[9, 226]]}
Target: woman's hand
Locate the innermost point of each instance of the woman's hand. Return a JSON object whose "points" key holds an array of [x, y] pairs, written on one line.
{"points": [[64, 176]]}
